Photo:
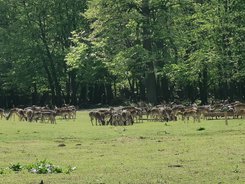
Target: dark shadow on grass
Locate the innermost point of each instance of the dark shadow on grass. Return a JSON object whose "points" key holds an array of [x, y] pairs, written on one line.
{"points": [[201, 129], [175, 165]]}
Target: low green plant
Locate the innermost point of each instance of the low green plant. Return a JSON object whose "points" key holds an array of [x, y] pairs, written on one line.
{"points": [[16, 167], [70, 169], [40, 167], [236, 170], [2, 171], [45, 167]]}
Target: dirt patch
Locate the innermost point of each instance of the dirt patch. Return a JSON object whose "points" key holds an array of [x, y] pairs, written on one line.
{"points": [[126, 139], [161, 150], [162, 133], [64, 139], [61, 145]]}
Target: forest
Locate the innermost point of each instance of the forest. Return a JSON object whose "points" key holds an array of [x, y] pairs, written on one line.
{"points": [[87, 52]]}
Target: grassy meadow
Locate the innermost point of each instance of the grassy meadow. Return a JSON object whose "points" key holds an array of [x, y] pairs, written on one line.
{"points": [[149, 152]]}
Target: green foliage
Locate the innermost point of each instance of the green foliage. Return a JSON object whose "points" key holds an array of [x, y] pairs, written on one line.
{"points": [[70, 169], [16, 167], [2, 171], [35, 38], [40, 167], [237, 170], [60, 47]]}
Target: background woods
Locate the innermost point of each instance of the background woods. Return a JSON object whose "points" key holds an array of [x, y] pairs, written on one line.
{"points": [[107, 51]]}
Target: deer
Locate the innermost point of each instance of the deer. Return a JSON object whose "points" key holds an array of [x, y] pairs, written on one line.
{"points": [[239, 108], [2, 113], [127, 117], [37, 115], [17, 111], [177, 110], [99, 118], [72, 110], [164, 114], [202, 110], [190, 113], [116, 119], [154, 113], [136, 113], [29, 114], [64, 112], [241, 113], [48, 115]]}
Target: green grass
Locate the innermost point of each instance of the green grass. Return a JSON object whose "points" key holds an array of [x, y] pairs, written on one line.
{"points": [[152, 152]]}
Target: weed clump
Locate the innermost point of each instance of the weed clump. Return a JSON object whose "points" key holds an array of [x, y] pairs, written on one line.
{"points": [[43, 167], [16, 167], [1, 171], [46, 167], [40, 167]]}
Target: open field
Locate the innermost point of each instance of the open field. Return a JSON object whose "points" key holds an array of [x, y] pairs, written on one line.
{"points": [[152, 152]]}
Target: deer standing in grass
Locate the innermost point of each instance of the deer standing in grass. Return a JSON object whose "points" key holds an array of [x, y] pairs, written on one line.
{"points": [[2, 113]]}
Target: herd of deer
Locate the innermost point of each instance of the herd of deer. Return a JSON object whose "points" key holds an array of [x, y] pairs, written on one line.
{"points": [[166, 112], [123, 116], [40, 114]]}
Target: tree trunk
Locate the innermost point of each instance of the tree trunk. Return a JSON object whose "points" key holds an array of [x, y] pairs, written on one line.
{"points": [[203, 85], [58, 96], [165, 89], [150, 79], [50, 81], [109, 93], [142, 90], [34, 94], [73, 87]]}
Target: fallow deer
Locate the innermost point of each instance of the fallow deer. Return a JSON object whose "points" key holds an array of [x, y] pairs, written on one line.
{"points": [[2, 113]]}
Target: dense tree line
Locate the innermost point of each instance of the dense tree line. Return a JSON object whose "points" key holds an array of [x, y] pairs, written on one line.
{"points": [[111, 51]]}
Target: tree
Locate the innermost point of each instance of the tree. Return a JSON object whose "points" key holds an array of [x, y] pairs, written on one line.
{"points": [[39, 32]]}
